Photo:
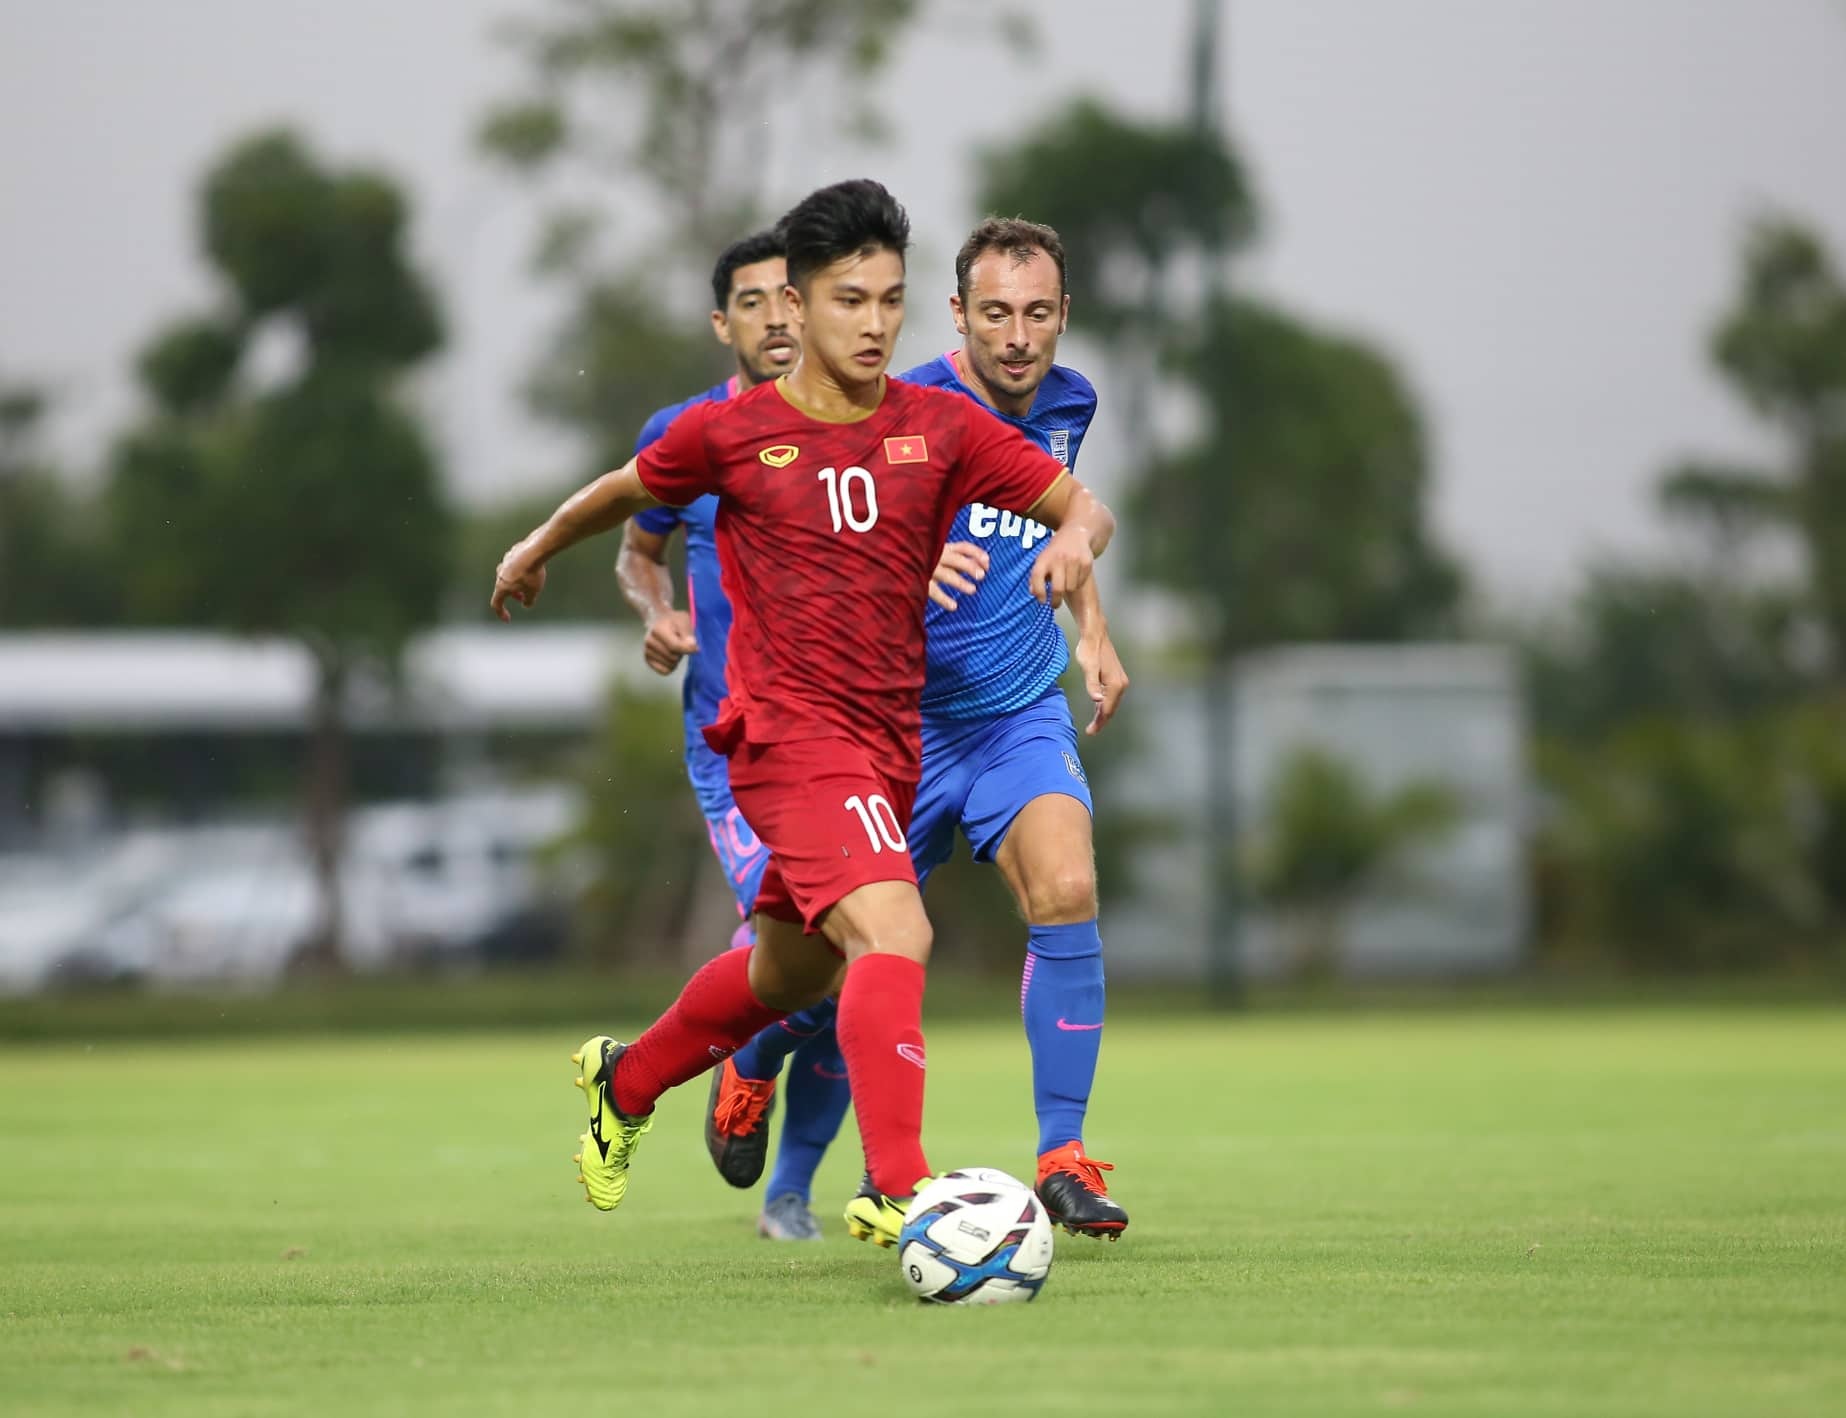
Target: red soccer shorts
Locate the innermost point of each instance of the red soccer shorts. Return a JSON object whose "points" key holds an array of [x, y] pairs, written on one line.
{"points": [[832, 819]]}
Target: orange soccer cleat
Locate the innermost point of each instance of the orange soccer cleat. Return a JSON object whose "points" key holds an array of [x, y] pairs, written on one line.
{"points": [[737, 1124], [1071, 1186]]}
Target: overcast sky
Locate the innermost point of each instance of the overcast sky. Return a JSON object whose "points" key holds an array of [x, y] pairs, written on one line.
{"points": [[1535, 204]]}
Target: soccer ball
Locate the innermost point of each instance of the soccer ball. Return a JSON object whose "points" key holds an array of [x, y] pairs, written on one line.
{"points": [[975, 1237]]}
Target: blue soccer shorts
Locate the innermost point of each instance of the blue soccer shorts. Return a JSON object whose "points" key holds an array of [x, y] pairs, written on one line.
{"points": [[979, 773], [743, 857]]}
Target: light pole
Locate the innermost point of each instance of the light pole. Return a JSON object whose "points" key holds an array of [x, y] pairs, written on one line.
{"points": [[1224, 975]]}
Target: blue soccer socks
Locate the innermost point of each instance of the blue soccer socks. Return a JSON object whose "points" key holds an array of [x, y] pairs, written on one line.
{"points": [[817, 1097], [762, 1057], [1061, 999], [816, 1092]]}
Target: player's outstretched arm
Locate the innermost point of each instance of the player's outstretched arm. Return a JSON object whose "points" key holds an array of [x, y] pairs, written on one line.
{"points": [[1084, 527], [647, 585], [606, 503]]}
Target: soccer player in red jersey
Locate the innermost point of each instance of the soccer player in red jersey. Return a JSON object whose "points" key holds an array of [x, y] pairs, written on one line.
{"points": [[837, 489]]}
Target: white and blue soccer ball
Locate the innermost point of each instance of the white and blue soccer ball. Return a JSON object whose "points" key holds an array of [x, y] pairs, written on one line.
{"points": [[975, 1237]]}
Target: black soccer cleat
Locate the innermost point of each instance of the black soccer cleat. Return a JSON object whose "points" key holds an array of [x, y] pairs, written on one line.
{"points": [[1071, 1186], [737, 1117]]}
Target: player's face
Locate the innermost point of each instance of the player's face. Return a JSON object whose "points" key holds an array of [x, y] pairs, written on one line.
{"points": [[1011, 321], [849, 316], [756, 321]]}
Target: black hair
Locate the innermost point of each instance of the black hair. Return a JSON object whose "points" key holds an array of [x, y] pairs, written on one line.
{"points": [[745, 251], [852, 218], [1020, 239]]}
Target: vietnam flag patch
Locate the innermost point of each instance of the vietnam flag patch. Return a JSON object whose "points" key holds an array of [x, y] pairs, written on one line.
{"points": [[909, 448]]}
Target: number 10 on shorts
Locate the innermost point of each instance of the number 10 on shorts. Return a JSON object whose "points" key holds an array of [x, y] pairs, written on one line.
{"points": [[879, 820]]}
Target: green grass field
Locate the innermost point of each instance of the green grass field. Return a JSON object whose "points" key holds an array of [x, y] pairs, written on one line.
{"points": [[1544, 1212]]}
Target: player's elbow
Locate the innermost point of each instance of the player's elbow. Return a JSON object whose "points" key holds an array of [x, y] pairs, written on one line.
{"points": [[641, 549], [1093, 514], [1102, 530]]}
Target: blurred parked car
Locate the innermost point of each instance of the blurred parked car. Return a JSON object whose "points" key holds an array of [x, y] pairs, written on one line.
{"points": [[422, 883]]}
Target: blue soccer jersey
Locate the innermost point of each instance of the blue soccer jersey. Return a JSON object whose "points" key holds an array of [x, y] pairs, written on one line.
{"points": [[1000, 649], [711, 614]]}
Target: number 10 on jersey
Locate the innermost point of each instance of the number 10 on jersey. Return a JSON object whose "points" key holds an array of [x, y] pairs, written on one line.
{"points": [[844, 489], [879, 819]]}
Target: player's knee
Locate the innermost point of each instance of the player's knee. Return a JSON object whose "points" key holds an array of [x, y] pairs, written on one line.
{"points": [[911, 938], [1061, 895], [883, 918]]}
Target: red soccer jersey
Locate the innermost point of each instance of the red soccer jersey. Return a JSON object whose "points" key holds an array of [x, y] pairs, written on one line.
{"points": [[827, 535]]}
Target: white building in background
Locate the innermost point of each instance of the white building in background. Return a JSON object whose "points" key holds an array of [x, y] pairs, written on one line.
{"points": [[1443, 714], [153, 687], [485, 677]]}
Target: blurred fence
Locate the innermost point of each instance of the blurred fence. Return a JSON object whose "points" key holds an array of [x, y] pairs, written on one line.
{"points": [[1447, 901]]}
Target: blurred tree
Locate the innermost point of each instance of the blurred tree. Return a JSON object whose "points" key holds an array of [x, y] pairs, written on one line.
{"points": [[311, 506], [676, 93], [1328, 447], [1136, 203], [577, 587], [1818, 802], [1331, 500], [1730, 504], [644, 834], [1326, 838], [619, 356], [51, 547], [669, 104], [1782, 346], [1685, 845], [1639, 642], [1698, 782], [1144, 208]]}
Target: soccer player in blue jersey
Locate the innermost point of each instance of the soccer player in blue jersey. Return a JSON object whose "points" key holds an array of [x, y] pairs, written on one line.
{"points": [[750, 316], [1000, 754]]}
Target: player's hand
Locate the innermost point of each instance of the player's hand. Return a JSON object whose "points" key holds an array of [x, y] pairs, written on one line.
{"points": [[1063, 566], [963, 565], [669, 640], [520, 577], [1103, 677]]}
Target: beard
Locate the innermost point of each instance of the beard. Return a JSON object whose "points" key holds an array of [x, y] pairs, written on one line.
{"points": [[991, 370], [762, 367]]}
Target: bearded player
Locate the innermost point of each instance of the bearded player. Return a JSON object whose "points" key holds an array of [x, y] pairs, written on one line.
{"points": [[999, 748], [751, 317], [838, 488]]}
